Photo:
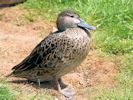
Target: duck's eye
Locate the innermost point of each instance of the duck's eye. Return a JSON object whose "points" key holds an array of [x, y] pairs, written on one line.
{"points": [[71, 15]]}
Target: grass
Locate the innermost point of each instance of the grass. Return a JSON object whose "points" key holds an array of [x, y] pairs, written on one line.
{"points": [[119, 93], [41, 96], [114, 36], [5, 92]]}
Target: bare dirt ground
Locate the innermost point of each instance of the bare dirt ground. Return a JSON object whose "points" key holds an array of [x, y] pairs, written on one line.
{"points": [[18, 37]]}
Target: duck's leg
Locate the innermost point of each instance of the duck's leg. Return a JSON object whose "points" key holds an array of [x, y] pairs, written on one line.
{"points": [[35, 81], [65, 90], [62, 84], [38, 81]]}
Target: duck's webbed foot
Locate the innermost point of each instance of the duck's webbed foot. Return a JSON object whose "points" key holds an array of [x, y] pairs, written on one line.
{"points": [[63, 88]]}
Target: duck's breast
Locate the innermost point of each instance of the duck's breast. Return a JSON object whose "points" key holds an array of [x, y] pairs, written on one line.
{"points": [[76, 49]]}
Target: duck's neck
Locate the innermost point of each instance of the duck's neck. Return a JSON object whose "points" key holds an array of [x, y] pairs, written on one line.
{"points": [[86, 30]]}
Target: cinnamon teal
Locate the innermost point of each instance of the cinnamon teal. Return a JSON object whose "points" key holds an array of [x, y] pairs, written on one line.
{"points": [[58, 53]]}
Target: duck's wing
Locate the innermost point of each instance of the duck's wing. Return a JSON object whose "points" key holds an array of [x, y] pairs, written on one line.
{"points": [[39, 53]]}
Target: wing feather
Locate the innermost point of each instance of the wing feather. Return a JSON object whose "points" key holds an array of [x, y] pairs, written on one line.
{"points": [[37, 55]]}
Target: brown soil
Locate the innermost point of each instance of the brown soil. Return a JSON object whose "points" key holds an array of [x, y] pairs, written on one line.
{"points": [[17, 40]]}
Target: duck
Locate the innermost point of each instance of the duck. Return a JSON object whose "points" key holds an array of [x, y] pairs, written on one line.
{"points": [[59, 53]]}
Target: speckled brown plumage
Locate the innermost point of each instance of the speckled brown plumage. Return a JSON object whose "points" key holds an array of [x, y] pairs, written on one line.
{"points": [[56, 55], [60, 52]]}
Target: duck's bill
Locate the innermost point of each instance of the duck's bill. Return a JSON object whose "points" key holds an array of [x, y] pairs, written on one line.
{"points": [[86, 25]]}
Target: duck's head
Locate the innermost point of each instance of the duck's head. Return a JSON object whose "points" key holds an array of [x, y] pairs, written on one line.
{"points": [[70, 19]]}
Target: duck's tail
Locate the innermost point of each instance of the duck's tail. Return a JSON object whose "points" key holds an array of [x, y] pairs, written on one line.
{"points": [[9, 75]]}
